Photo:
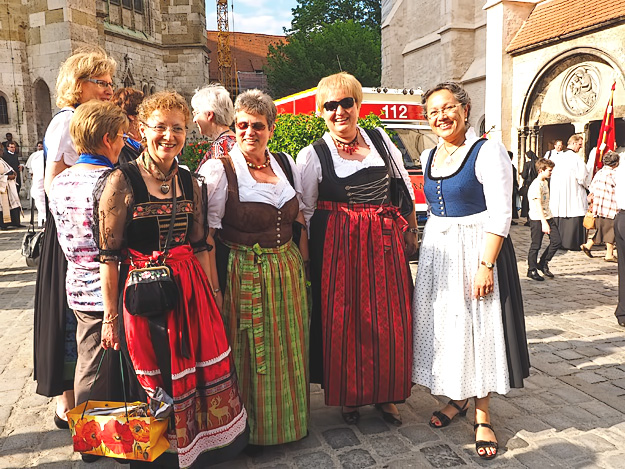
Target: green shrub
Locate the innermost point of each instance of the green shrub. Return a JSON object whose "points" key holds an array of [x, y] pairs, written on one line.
{"points": [[193, 153]]}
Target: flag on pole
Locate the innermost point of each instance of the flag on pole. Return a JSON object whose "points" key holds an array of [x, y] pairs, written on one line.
{"points": [[607, 139]]}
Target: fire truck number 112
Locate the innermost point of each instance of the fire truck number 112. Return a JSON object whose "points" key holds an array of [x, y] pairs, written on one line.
{"points": [[403, 111]]}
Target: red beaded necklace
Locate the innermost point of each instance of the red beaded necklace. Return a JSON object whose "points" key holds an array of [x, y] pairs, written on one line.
{"points": [[348, 148]]}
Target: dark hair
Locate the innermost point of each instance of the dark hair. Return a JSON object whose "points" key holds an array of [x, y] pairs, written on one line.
{"points": [[455, 89], [128, 99], [544, 163], [530, 154], [611, 158], [40, 141]]}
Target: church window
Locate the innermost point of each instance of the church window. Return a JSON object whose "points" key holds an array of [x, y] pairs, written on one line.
{"points": [[4, 112]]}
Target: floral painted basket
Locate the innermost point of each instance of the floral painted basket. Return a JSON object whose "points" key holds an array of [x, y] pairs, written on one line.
{"points": [[117, 436]]}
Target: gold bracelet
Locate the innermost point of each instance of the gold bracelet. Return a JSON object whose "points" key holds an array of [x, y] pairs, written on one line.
{"points": [[110, 321]]}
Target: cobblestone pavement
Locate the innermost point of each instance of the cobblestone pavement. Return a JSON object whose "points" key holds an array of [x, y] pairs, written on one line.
{"points": [[569, 415]]}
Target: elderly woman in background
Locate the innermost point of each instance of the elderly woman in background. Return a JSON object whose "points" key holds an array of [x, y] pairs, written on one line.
{"points": [[128, 99], [97, 132], [182, 354], [567, 194], [213, 113], [602, 198], [361, 334], [469, 329], [254, 202], [84, 76]]}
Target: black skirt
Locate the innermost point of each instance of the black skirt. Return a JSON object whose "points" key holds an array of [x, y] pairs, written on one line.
{"points": [[572, 232], [51, 313], [513, 315]]}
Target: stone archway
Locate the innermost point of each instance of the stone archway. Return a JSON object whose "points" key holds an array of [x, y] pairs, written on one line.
{"points": [[43, 107], [571, 90]]}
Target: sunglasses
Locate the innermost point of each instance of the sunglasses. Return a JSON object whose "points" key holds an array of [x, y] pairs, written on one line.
{"points": [[345, 103], [257, 126]]}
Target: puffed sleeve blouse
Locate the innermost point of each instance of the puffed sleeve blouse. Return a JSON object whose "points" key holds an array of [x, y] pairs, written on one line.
{"points": [[58, 143], [311, 174], [493, 170], [115, 207], [250, 190]]}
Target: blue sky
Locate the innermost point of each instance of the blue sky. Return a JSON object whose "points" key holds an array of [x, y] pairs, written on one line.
{"points": [[254, 16]]}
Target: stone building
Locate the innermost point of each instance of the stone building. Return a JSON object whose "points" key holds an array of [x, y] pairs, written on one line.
{"points": [[157, 45], [536, 70]]}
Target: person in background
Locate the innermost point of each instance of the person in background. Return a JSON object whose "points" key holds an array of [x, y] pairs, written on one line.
{"points": [[602, 200], [568, 201], [541, 222], [35, 167], [15, 175], [361, 335], [529, 174], [9, 139], [85, 75], [515, 191], [97, 130], [619, 238], [128, 99], [467, 284], [8, 191], [557, 150], [213, 113]]}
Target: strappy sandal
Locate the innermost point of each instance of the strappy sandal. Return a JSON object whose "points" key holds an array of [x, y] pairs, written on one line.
{"points": [[586, 251], [443, 419], [482, 444]]}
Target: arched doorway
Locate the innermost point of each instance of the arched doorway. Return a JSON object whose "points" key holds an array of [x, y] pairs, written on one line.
{"points": [[43, 107], [569, 93]]}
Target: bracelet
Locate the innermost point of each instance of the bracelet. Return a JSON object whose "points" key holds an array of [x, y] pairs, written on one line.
{"points": [[488, 265], [216, 290], [413, 230], [110, 321]]}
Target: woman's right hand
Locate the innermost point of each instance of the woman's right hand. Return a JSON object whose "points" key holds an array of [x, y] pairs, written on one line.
{"points": [[110, 335]]}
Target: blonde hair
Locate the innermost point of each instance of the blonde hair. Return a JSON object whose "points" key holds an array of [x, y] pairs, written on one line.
{"points": [[342, 81], [92, 121], [84, 63], [165, 100]]}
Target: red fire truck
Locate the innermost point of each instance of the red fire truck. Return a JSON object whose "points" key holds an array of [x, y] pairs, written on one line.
{"points": [[400, 110]]}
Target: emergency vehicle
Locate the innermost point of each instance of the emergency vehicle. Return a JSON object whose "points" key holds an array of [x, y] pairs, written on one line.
{"points": [[399, 110]]}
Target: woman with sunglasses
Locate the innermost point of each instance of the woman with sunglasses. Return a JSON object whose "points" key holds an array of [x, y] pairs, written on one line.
{"points": [[361, 329], [182, 354], [469, 329], [254, 205], [84, 76]]}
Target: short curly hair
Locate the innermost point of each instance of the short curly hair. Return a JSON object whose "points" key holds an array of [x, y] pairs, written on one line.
{"points": [[257, 102], [128, 99], [84, 63], [166, 100]]}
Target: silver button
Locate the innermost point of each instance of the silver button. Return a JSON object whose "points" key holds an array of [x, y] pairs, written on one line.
{"points": [[278, 229], [279, 218], [278, 241], [278, 235], [279, 212]]}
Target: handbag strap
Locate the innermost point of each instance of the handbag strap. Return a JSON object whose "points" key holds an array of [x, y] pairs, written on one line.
{"points": [[172, 220], [121, 368], [32, 214]]}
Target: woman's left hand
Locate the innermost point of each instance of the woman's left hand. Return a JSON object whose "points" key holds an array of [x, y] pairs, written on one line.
{"points": [[484, 282], [110, 336], [411, 243]]}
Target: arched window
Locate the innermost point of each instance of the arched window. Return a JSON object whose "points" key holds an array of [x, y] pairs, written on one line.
{"points": [[145, 90], [152, 89], [4, 111]]}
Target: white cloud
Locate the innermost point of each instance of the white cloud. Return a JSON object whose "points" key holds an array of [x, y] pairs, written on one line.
{"points": [[255, 16]]}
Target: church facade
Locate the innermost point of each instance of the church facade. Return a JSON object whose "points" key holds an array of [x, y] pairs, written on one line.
{"points": [[157, 45], [536, 71]]}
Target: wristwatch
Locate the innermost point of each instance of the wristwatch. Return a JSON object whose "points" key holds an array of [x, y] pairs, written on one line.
{"points": [[488, 265]]}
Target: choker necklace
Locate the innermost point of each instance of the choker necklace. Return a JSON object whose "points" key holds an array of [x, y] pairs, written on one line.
{"points": [[148, 164], [259, 166], [348, 148]]}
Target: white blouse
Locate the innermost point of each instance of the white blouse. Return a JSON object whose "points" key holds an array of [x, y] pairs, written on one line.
{"points": [[59, 145], [311, 174], [493, 170], [250, 190]]}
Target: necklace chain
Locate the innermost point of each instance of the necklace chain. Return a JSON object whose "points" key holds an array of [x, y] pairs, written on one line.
{"points": [[449, 159]]}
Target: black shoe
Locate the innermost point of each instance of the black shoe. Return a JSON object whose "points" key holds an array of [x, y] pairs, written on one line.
{"points": [[60, 423], [393, 419], [534, 275], [4, 228], [513, 222], [88, 458], [545, 270], [351, 418], [527, 223], [621, 322]]}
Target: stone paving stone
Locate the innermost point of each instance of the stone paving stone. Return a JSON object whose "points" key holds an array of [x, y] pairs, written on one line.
{"points": [[516, 443], [310, 442], [568, 354], [270, 454], [442, 456], [531, 404], [537, 459], [356, 459], [372, 425], [591, 376], [416, 460], [388, 446], [600, 410], [594, 443], [570, 394], [419, 434], [619, 382], [341, 437], [562, 450]]}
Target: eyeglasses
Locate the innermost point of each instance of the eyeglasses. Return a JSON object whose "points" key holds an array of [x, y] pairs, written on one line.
{"points": [[345, 103], [450, 109], [101, 83], [257, 126], [161, 129]]}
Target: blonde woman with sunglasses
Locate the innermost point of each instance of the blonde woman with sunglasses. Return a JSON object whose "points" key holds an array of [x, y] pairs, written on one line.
{"points": [[254, 207]]}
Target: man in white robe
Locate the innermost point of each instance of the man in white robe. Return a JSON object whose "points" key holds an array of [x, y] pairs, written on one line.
{"points": [[568, 201]]}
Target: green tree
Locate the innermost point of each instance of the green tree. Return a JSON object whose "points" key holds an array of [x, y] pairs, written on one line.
{"points": [[306, 58], [310, 15]]}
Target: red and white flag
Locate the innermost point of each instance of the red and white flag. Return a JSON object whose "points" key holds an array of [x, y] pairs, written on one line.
{"points": [[607, 139]]}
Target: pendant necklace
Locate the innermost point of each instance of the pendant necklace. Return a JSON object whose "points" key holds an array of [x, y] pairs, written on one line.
{"points": [[259, 166], [165, 179], [448, 160], [348, 148]]}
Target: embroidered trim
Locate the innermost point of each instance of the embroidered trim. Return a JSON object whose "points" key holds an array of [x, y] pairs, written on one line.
{"points": [[151, 209], [148, 372], [184, 373]]}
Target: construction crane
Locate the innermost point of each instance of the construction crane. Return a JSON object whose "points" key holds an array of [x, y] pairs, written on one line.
{"points": [[224, 56]]}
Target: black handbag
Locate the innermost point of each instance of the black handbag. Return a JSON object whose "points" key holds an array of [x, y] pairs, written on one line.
{"points": [[400, 196], [151, 290], [32, 243]]}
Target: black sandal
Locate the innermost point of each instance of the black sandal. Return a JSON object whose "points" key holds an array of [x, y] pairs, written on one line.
{"points": [[351, 418], [394, 419], [443, 419], [482, 444]]}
